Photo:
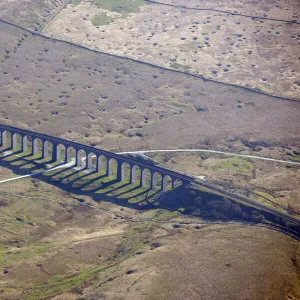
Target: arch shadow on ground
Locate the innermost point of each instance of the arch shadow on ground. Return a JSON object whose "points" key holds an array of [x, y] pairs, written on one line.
{"points": [[103, 188]]}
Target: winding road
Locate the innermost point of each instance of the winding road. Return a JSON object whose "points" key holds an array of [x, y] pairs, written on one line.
{"points": [[213, 151]]}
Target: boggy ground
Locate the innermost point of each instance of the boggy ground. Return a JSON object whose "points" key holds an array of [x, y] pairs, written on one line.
{"points": [[52, 249], [60, 251], [260, 54], [276, 9], [119, 105], [59, 89], [276, 181], [31, 14]]}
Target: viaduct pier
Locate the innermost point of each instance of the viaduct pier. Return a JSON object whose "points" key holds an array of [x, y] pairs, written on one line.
{"points": [[57, 150], [60, 150]]}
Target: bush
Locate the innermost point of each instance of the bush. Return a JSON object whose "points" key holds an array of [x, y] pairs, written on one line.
{"points": [[176, 225], [257, 218], [227, 205], [197, 201], [192, 193], [236, 209], [3, 203], [213, 204], [200, 108], [196, 212], [245, 215]]}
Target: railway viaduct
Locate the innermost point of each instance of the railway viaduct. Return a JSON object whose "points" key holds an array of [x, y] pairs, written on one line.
{"points": [[60, 150], [124, 168]]}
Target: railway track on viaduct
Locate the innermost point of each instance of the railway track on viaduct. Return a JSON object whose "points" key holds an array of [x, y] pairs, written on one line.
{"points": [[175, 176]]}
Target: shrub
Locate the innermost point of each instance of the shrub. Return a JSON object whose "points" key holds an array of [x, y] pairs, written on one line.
{"points": [[3, 203], [192, 193], [257, 218], [236, 209], [227, 205], [197, 201], [200, 108], [176, 225], [245, 215], [213, 204]]}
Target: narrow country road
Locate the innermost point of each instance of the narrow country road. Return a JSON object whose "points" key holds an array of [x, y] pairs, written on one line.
{"points": [[213, 151], [166, 150]]}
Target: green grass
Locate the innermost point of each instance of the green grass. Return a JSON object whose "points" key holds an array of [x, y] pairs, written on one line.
{"points": [[101, 20], [121, 6], [177, 66], [132, 242], [165, 215], [266, 203], [59, 284], [263, 200], [295, 158], [208, 190], [235, 164], [180, 104], [124, 7], [76, 2], [9, 256]]}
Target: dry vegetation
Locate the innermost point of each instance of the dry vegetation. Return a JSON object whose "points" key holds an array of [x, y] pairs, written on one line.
{"points": [[54, 249], [31, 14], [275, 181], [114, 103], [49, 248], [117, 105], [260, 54], [276, 9]]}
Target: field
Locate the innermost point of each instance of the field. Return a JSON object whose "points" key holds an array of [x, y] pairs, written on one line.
{"points": [[256, 53], [282, 10], [142, 94], [117, 103], [31, 14], [120, 105], [52, 245], [277, 182]]}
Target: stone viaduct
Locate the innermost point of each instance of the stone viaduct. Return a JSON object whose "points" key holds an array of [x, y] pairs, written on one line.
{"points": [[83, 156], [123, 168]]}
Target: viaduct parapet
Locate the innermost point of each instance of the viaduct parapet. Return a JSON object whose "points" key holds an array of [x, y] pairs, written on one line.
{"points": [[64, 151], [123, 168]]}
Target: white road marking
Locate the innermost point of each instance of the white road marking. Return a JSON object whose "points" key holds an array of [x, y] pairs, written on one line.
{"points": [[161, 150], [213, 151]]}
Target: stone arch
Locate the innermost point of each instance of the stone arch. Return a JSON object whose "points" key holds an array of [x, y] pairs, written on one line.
{"points": [[37, 146], [156, 179], [2, 138], [125, 171], [135, 172], [101, 164], [91, 162], [71, 155], [24, 145], [59, 152], [112, 166], [167, 182], [29, 143], [5, 139], [46, 149], [146, 177], [81, 158], [177, 182], [16, 141]]}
